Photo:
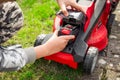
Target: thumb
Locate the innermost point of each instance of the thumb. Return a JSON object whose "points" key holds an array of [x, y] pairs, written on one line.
{"points": [[64, 10], [63, 7], [55, 33]]}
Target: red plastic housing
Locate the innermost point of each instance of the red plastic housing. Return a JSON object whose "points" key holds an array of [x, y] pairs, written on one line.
{"points": [[97, 39]]}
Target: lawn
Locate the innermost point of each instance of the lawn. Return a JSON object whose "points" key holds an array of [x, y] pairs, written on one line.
{"points": [[38, 19]]}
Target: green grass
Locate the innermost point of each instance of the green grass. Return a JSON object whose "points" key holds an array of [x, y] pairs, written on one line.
{"points": [[39, 16]]}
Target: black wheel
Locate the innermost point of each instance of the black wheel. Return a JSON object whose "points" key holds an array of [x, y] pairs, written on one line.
{"points": [[109, 23], [90, 60], [39, 40]]}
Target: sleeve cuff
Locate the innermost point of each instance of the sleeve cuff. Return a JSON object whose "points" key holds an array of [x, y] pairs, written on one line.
{"points": [[31, 54]]}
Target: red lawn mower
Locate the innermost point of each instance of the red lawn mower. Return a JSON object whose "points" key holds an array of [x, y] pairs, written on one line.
{"points": [[91, 31]]}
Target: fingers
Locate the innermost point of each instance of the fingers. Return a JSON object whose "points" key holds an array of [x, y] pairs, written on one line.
{"points": [[65, 3], [68, 37], [63, 7], [78, 7]]}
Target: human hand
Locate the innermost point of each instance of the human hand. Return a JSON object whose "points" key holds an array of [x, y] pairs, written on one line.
{"points": [[72, 3], [53, 45], [57, 43]]}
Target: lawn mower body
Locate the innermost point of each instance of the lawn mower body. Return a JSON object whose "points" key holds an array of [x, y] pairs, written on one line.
{"points": [[98, 37], [90, 29]]}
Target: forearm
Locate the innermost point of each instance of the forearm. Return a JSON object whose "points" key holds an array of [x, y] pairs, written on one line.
{"points": [[14, 58], [42, 51]]}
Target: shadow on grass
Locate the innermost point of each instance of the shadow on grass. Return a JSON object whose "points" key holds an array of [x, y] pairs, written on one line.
{"points": [[50, 70]]}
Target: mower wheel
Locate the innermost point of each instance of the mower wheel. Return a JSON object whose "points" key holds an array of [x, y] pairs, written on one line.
{"points": [[110, 22], [39, 39], [90, 60]]}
